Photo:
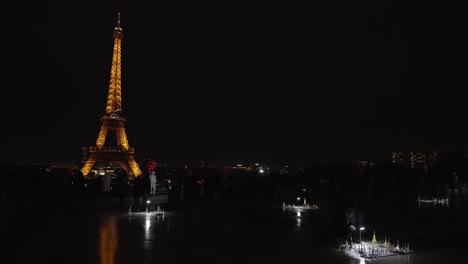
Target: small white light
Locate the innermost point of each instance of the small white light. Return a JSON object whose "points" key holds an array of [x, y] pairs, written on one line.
{"points": [[148, 201], [361, 228]]}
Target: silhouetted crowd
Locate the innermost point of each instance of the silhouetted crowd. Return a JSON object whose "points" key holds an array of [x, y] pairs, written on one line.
{"points": [[338, 186]]}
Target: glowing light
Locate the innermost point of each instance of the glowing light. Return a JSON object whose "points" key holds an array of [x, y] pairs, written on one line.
{"points": [[108, 240], [147, 225], [298, 213], [112, 121]]}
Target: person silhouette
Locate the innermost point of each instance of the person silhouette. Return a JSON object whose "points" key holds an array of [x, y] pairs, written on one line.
{"points": [[122, 190], [138, 190], [106, 183], [152, 183]]}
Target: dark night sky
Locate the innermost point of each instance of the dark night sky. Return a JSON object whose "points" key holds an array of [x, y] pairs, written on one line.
{"points": [[248, 81]]}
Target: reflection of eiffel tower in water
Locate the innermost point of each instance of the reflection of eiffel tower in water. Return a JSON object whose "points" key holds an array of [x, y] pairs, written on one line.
{"points": [[121, 154]]}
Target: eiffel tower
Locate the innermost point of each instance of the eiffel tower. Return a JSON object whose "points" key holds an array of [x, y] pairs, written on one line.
{"points": [[122, 153]]}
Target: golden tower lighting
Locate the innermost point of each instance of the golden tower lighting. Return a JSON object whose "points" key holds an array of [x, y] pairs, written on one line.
{"points": [[121, 153]]}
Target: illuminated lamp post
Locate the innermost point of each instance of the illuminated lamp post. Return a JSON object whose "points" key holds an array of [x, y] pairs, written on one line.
{"points": [[360, 229]]}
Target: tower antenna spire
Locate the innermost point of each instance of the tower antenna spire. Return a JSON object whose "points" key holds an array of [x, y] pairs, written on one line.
{"points": [[118, 19]]}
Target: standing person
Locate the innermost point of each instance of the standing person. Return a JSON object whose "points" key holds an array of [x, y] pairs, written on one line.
{"points": [[122, 190], [343, 226], [152, 183], [137, 190], [145, 186], [349, 214], [106, 183]]}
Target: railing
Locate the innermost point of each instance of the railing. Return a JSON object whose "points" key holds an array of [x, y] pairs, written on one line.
{"points": [[110, 149]]}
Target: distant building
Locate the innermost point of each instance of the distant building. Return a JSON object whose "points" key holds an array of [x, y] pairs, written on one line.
{"points": [[398, 159], [365, 165], [290, 170], [434, 157], [415, 160], [202, 164], [418, 160]]}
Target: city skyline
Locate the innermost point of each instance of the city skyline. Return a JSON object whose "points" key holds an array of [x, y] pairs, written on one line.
{"points": [[219, 83]]}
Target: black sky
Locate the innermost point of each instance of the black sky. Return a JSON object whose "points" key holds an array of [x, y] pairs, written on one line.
{"points": [[243, 81]]}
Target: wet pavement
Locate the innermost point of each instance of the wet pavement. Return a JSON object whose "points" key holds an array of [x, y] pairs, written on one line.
{"points": [[105, 233]]}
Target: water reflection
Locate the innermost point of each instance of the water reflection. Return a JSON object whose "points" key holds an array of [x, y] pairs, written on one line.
{"points": [[147, 226], [108, 239], [154, 227]]}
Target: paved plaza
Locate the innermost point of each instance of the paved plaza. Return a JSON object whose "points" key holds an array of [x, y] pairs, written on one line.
{"points": [[98, 230]]}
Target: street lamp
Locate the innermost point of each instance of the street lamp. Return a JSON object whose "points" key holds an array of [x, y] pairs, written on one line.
{"points": [[147, 206], [360, 229], [298, 198]]}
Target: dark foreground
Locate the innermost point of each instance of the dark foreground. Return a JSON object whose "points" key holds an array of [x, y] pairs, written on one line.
{"points": [[100, 231]]}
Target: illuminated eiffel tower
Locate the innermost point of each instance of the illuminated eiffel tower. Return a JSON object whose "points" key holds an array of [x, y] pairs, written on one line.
{"points": [[122, 153]]}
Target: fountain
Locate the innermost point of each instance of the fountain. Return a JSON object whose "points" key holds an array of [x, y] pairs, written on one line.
{"points": [[376, 250], [147, 212], [159, 211]]}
